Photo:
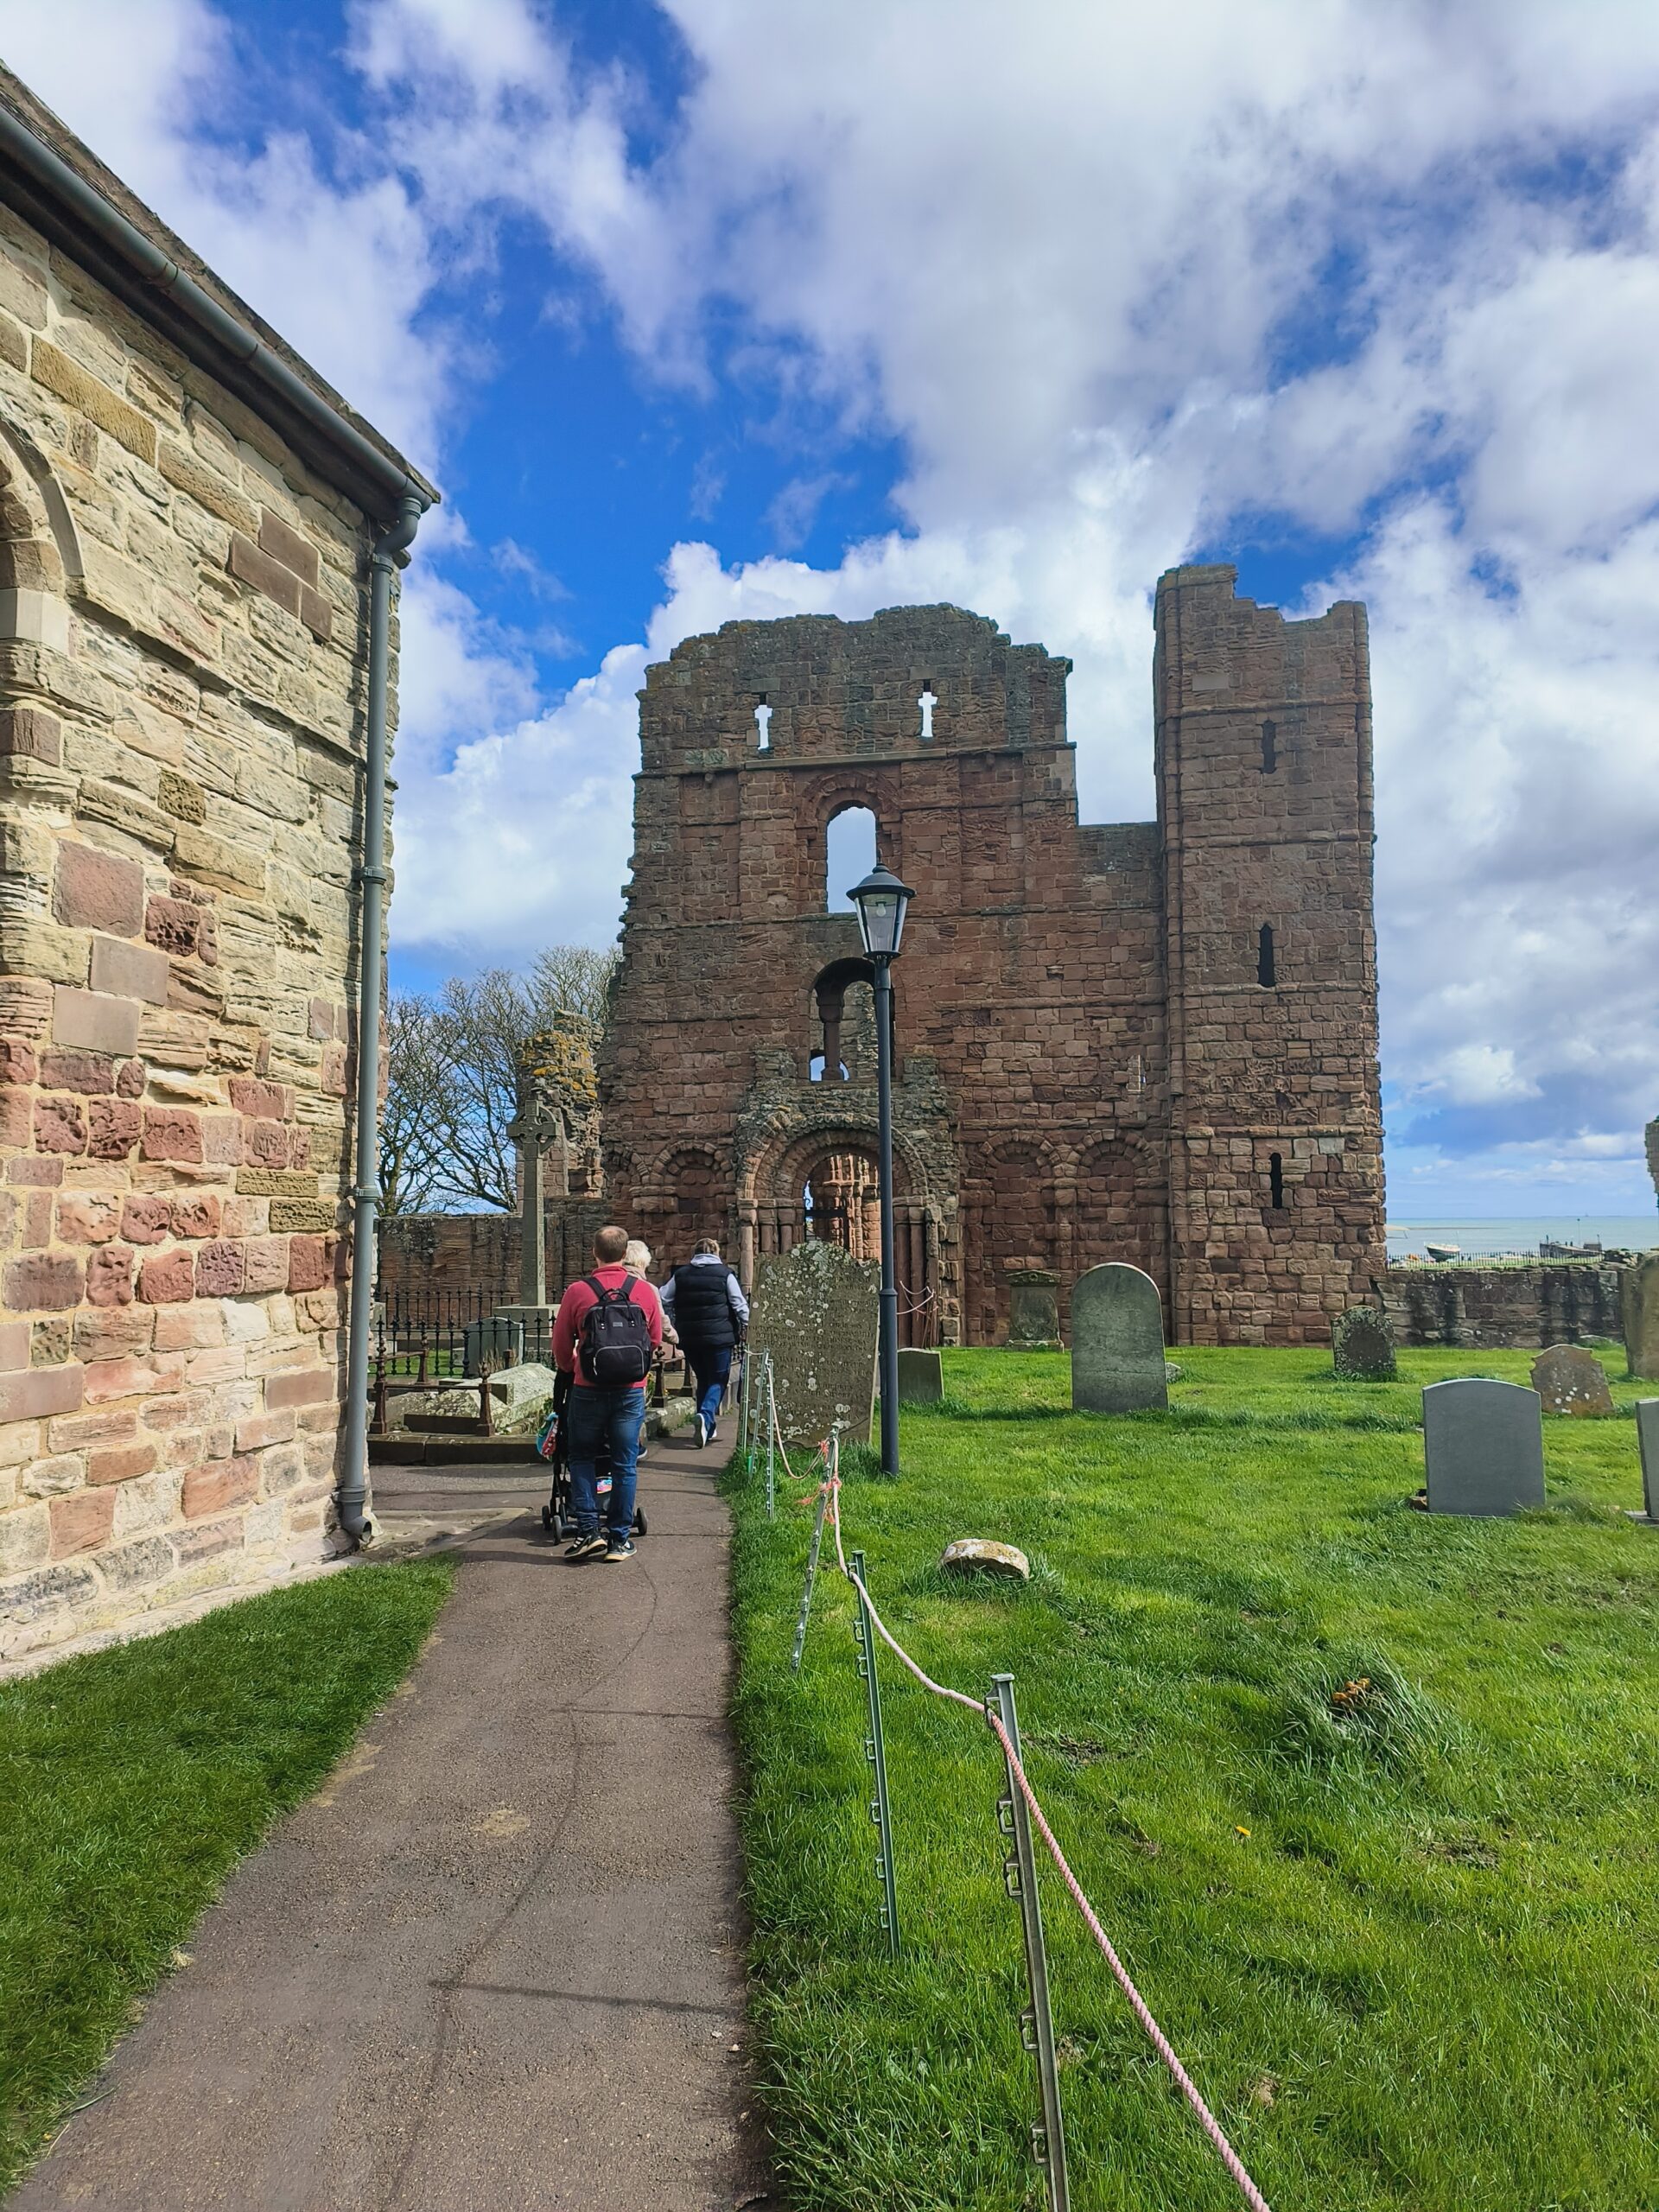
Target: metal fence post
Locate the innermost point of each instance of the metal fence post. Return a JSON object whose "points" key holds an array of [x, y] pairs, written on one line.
{"points": [[1037, 2023], [812, 1577], [875, 1751], [771, 1439]]}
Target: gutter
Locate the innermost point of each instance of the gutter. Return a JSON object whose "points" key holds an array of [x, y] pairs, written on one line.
{"points": [[351, 1499], [76, 216]]}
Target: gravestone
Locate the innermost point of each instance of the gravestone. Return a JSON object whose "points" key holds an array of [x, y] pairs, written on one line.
{"points": [[1361, 1345], [1117, 1341], [1639, 1300], [1034, 1308], [1647, 1437], [1570, 1380], [921, 1378], [1483, 1446], [499, 1339], [817, 1311]]}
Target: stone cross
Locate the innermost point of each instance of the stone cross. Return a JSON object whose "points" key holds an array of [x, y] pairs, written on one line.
{"points": [[537, 1128]]}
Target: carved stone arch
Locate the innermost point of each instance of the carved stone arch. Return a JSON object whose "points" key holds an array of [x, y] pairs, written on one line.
{"points": [[40, 549], [685, 1193], [1011, 1202], [788, 1144], [1120, 1205]]}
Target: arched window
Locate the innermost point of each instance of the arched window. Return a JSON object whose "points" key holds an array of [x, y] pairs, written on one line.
{"points": [[1269, 748], [1275, 1178], [928, 701], [763, 726], [849, 855], [1265, 973]]}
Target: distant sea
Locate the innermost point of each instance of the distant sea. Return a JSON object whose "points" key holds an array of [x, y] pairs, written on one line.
{"points": [[1523, 1233]]}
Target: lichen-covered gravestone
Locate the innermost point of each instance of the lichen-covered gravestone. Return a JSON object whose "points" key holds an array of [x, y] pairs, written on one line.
{"points": [[1483, 1446], [817, 1311], [1570, 1380], [1639, 1298], [1117, 1341], [1361, 1345], [921, 1378], [1034, 1308]]}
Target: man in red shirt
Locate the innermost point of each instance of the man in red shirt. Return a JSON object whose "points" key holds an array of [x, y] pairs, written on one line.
{"points": [[601, 1409]]}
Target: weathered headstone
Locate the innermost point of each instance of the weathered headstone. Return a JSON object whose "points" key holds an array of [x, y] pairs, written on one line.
{"points": [[1117, 1341], [500, 1340], [1483, 1446], [1639, 1298], [1034, 1308], [817, 1311], [1571, 1380], [921, 1377], [1647, 1438], [1361, 1345]]}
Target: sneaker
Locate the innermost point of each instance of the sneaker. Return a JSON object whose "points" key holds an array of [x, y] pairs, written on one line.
{"points": [[702, 1428], [714, 1430], [615, 1550], [585, 1546]]}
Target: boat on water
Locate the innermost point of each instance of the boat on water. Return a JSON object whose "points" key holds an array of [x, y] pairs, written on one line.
{"points": [[1443, 1251]]}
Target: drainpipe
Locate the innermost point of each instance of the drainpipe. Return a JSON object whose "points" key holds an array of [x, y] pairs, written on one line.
{"points": [[351, 1496]]}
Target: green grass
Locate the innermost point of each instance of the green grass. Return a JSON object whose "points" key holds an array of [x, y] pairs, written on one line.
{"points": [[133, 1779], [1404, 1937]]}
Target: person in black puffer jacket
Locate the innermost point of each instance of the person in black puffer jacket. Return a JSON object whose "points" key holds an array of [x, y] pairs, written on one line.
{"points": [[705, 1303]]}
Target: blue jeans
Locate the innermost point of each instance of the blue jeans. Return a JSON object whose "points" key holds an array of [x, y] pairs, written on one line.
{"points": [[712, 1365], [596, 1418]]}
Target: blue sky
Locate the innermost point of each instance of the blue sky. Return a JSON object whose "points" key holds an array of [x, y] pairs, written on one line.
{"points": [[723, 308]]}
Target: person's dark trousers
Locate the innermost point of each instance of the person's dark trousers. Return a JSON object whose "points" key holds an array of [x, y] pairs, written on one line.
{"points": [[711, 1366], [595, 1416]]}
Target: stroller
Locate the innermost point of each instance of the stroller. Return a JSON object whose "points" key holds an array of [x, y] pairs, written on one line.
{"points": [[552, 1444]]}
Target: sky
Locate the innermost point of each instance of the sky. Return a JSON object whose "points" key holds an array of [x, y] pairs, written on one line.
{"points": [[721, 308]]}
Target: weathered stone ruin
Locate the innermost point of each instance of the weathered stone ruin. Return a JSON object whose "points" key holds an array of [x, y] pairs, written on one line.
{"points": [[183, 578], [1151, 1042]]}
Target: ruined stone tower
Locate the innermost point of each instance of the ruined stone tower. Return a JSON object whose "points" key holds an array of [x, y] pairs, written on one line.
{"points": [[1152, 1042]]}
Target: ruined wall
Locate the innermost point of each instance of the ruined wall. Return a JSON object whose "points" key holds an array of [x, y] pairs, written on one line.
{"points": [[1264, 784], [426, 1256], [181, 637], [1034, 995], [1541, 1303]]}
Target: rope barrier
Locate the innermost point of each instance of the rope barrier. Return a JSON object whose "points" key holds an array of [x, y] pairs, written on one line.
{"points": [[1138, 2004]]}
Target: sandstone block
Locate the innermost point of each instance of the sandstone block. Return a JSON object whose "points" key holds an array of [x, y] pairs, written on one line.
{"points": [[220, 1269], [89, 1217], [196, 1215], [112, 1127], [35, 1175], [214, 860], [308, 1262], [93, 890], [95, 1022], [92, 1074], [18, 1061], [269, 1102], [80, 1432], [134, 1566], [109, 1276], [167, 1277], [146, 1218], [265, 1264], [117, 1330], [129, 971], [264, 1144], [121, 1462], [14, 1346], [172, 1132], [70, 382], [207, 486], [286, 544], [208, 1540], [25, 1538], [316, 614], [81, 1524], [306, 1386], [107, 1380], [50, 1282], [130, 1079], [59, 1125], [54, 1477], [35, 1392], [259, 1430], [30, 733], [251, 565], [172, 926], [312, 1216], [214, 1488]]}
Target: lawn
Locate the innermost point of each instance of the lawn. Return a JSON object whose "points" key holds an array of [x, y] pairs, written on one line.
{"points": [[1405, 1941], [133, 1779]]}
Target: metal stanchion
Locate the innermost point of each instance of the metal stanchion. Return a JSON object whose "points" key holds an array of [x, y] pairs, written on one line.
{"points": [[772, 1442], [875, 1751], [812, 1577], [1037, 2023]]}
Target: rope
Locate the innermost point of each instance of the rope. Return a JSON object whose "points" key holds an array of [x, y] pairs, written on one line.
{"points": [[1142, 2010]]}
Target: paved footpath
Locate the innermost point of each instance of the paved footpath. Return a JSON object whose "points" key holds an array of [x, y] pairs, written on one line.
{"points": [[495, 1965]]}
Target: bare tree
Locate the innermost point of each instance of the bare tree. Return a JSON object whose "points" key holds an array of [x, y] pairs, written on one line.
{"points": [[461, 1076], [415, 1114]]}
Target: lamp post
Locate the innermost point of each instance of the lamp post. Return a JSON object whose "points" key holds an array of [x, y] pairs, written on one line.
{"points": [[881, 901]]}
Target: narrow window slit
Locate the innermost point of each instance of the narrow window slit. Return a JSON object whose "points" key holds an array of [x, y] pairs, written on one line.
{"points": [[1264, 968], [1269, 748], [763, 723], [927, 703], [1275, 1178]]}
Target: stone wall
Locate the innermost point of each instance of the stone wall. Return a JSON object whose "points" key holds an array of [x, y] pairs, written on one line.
{"points": [[182, 634], [1542, 1302], [432, 1255], [1090, 1069]]}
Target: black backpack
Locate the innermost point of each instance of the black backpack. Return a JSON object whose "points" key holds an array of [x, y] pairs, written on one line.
{"points": [[615, 1336]]}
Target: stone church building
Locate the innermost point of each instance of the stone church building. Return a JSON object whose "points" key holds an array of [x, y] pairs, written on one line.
{"points": [[1147, 1041], [189, 517]]}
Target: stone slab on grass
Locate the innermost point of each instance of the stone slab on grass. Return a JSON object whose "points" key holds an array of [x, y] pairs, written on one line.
{"points": [[1483, 1446], [1117, 1342], [921, 1377], [817, 1311]]}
